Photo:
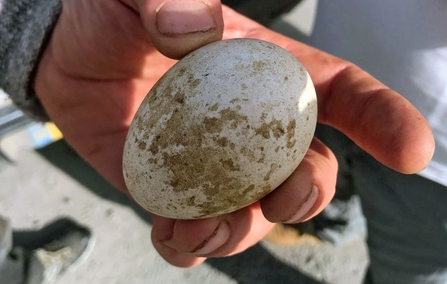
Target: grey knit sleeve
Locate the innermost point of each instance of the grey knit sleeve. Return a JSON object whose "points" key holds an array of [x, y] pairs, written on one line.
{"points": [[25, 26]]}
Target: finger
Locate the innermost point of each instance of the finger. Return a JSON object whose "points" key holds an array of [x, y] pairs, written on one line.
{"points": [[177, 27], [162, 231], [379, 120], [186, 243], [307, 191]]}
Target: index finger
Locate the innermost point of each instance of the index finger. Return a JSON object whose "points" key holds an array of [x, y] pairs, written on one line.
{"points": [[376, 118]]}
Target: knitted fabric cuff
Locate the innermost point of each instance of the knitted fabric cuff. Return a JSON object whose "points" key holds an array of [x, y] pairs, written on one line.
{"points": [[25, 27]]}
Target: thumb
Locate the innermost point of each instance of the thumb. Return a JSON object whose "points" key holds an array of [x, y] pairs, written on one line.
{"points": [[177, 27]]}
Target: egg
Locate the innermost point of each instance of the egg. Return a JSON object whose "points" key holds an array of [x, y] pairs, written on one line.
{"points": [[221, 129]]}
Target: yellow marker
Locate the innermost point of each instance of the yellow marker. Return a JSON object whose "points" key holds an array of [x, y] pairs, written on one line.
{"points": [[55, 133]]}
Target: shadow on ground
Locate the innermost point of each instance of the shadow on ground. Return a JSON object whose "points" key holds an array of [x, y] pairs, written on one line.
{"points": [[255, 265], [31, 240]]}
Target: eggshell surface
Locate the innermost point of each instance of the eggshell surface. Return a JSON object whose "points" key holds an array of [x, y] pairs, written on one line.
{"points": [[221, 129]]}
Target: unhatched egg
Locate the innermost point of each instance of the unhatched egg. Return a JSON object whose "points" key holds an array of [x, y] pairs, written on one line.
{"points": [[221, 129]]}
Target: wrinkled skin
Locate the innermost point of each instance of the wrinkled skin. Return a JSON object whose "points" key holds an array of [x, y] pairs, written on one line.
{"points": [[101, 62]]}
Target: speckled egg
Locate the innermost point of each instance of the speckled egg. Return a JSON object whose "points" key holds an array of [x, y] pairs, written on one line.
{"points": [[222, 128]]}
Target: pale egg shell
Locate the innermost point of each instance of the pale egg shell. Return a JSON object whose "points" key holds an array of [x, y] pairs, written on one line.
{"points": [[221, 129]]}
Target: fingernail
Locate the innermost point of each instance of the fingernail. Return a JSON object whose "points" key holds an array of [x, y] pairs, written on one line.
{"points": [[214, 241], [182, 17], [307, 205]]}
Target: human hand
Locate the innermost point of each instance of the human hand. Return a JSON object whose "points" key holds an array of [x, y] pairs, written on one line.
{"points": [[102, 60]]}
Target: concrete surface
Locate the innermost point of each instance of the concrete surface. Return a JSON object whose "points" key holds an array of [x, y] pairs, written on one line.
{"points": [[46, 184]]}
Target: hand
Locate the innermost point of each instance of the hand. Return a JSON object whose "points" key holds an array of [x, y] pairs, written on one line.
{"points": [[103, 57]]}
